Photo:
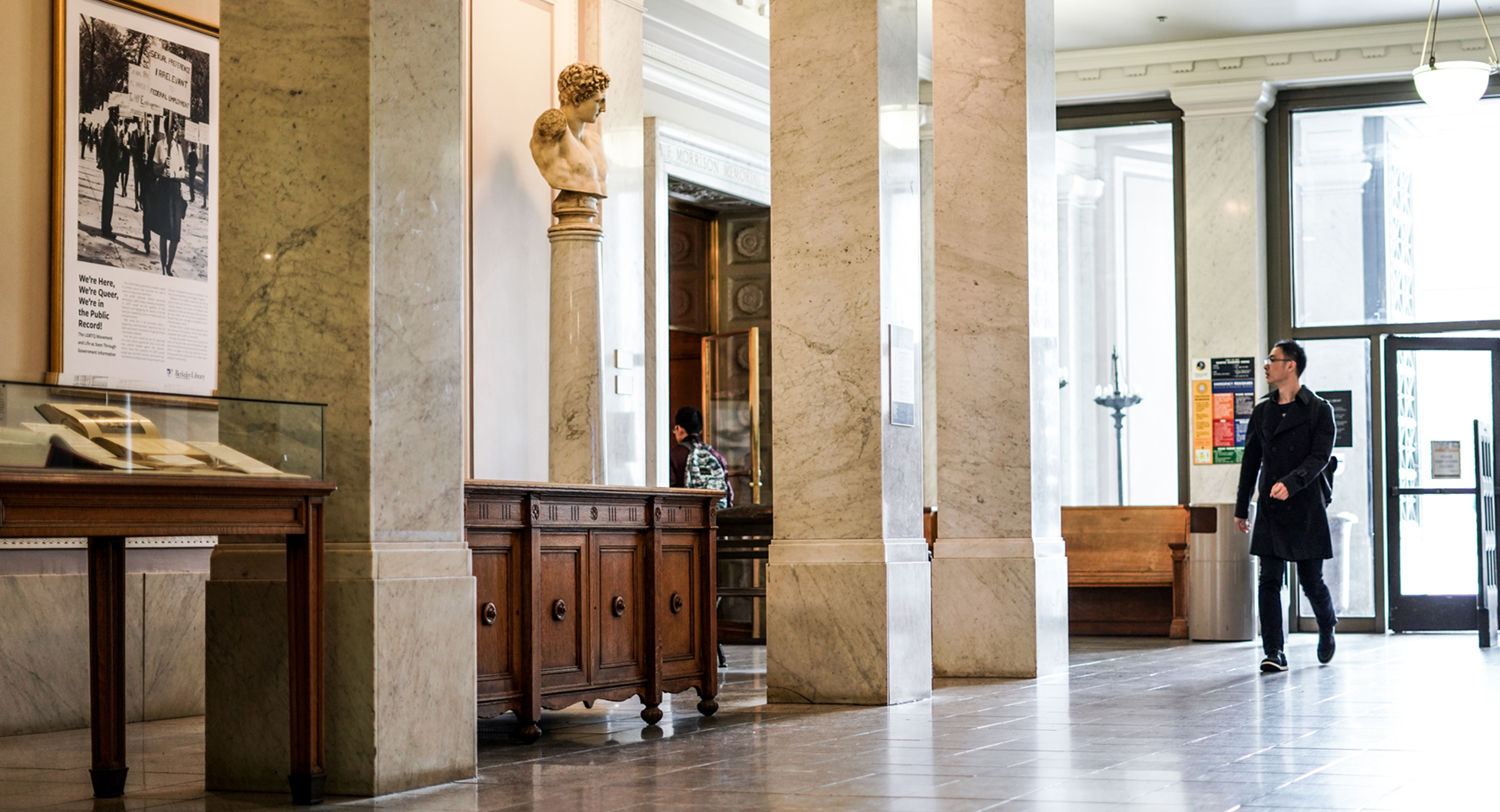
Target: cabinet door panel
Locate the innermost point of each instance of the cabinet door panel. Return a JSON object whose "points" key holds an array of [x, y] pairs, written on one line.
{"points": [[620, 576], [564, 626], [677, 627], [493, 565]]}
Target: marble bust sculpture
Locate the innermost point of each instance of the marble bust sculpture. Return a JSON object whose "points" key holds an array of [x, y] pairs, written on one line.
{"points": [[568, 152]]}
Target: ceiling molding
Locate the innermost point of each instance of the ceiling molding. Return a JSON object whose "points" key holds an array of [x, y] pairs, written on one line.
{"points": [[675, 74], [1302, 57]]}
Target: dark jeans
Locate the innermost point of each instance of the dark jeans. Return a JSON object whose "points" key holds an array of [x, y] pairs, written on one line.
{"points": [[1272, 576]]}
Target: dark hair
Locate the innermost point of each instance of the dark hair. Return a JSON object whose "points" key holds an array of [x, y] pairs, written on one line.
{"points": [[1294, 352], [690, 419]]}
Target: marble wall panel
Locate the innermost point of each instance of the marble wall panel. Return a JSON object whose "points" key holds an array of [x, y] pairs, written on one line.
{"points": [[295, 296], [1224, 173], [1011, 621], [849, 633], [172, 650], [425, 692], [44, 653], [996, 271], [829, 171], [44, 649], [416, 272]]}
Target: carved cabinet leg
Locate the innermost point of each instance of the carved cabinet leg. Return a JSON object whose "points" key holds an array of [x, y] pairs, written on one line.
{"points": [[707, 705], [652, 714], [107, 664]]}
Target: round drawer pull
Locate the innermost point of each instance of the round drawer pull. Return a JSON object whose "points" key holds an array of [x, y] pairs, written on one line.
{"points": [[677, 603], [490, 613], [619, 606], [559, 609]]}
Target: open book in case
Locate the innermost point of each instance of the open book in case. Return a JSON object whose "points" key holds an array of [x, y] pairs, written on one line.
{"points": [[109, 430]]}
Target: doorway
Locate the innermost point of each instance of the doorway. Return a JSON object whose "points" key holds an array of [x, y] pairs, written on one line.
{"points": [[1436, 390]]}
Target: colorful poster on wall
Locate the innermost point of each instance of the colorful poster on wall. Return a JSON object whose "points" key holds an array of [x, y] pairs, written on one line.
{"points": [[1223, 398]]}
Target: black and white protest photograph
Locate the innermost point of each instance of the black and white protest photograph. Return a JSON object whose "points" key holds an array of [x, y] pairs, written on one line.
{"points": [[145, 150]]}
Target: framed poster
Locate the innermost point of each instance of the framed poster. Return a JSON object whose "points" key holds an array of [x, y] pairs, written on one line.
{"points": [[135, 198]]}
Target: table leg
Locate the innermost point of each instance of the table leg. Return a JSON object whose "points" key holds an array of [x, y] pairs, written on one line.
{"points": [[304, 593], [107, 664]]}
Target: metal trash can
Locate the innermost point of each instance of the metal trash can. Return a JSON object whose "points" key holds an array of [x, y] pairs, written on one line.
{"points": [[1221, 576]]}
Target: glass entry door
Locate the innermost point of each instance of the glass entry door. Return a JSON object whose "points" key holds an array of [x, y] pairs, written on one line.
{"points": [[731, 407], [1436, 388]]}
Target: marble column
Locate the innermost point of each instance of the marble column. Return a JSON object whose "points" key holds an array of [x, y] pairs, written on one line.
{"points": [[574, 397], [1225, 178], [342, 271], [849, 598], [999, 574]]}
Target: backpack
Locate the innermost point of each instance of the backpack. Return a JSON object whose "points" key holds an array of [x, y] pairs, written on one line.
{"points": [[705, 469], [1326, 477]]}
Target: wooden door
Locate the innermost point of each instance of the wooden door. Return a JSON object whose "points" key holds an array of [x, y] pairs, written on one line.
{"points": [[678, 615], [618, 597], [563, 610], [494, 568]]}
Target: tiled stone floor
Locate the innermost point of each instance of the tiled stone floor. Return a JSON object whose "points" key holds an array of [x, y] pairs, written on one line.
{"points": [[1396, 723]]}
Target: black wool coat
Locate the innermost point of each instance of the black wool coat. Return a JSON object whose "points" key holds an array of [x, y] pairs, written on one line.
{"points": [[1292, 449]]}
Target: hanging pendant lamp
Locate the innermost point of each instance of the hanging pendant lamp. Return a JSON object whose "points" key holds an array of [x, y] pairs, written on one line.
{"points": [[1449, 85]]}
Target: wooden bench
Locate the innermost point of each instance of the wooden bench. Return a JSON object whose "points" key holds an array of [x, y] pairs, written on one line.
{"points": [[1127, 570]]}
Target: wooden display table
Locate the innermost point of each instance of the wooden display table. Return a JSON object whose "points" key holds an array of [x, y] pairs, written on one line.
{"points": [[108, 507], [591, 592]]}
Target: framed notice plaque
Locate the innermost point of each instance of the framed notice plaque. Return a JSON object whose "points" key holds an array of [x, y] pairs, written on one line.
{"points": [[135, 198]]}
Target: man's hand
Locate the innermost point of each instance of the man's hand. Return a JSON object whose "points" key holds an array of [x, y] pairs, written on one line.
{"points": [[1243, 525], [1278, 491]]}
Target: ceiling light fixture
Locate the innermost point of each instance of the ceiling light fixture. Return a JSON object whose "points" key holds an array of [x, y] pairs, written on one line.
{"points": [[1448, 85]]}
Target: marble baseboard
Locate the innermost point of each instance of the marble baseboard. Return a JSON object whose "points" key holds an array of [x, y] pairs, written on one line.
{"points": [[400, 687], [44, 649], [848, 633], [999, 617]]}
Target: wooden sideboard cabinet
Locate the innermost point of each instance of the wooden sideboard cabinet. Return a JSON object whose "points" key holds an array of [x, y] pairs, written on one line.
{"points": [[591, 592]]}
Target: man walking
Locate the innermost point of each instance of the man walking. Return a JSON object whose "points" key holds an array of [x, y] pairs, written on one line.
{"points": [[1287, 445], [109, 154]]}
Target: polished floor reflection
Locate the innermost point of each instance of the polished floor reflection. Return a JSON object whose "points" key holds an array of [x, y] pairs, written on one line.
{"points": [[1396, 723]]}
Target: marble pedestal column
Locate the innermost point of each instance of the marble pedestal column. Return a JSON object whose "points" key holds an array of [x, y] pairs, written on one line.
{"points": [[999, 575], [574, 390], [848, 597], [341, 282], [1224, 178]]}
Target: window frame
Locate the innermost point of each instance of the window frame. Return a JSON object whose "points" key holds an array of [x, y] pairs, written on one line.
{"points": [[1281, 286], [1157, 111]]}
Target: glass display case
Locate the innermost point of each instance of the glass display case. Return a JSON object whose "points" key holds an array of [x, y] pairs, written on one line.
{"points": [[62, 428]]}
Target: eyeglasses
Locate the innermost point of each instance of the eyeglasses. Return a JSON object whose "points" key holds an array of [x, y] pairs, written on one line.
{"points": [[1273, 360]]}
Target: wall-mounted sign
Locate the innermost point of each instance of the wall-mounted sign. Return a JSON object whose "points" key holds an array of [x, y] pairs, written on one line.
{"points": [[1223, 397], [1342, 402], [1447, 459]]}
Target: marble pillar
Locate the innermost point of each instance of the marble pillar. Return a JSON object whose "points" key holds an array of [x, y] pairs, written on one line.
{"points": [[1224, 174], [574, 396], [342, 272], [849, 597], [999, 574]]}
